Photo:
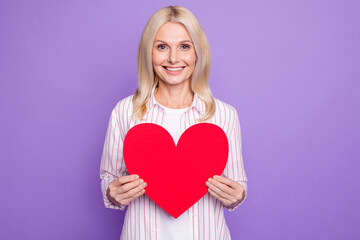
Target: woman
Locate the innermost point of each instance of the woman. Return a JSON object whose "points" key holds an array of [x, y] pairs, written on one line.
{"points": [[173, 71]]}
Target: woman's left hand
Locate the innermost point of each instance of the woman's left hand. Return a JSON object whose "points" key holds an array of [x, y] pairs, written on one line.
{"points": [[228, 191]]}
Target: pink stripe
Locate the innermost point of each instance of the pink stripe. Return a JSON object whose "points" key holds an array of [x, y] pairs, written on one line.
{"points": [[155, 222], [112, 151], [138, 226], [122, 119], [127, 114], [107, 139], [131, 219], [144, 217], [157, 115], [185, 121], [188, 119], [236, 156], [149, 217], [193, 221], [203, 107], [215, 224], [152, 115], [135, 218], [224, 116], [220, 208], [232, 155], [217, 111], [188, 114], [228, 126], [118, 151], [128, 229], [222, 223], [203, 217], [108, 144], [208, 197], [162, 120], [198, 209]]}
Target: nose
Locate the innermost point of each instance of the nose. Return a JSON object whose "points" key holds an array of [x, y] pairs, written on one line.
{"points": [[173, 56]]}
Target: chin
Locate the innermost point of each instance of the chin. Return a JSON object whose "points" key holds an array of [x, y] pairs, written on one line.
{"points": [[174, 82]]}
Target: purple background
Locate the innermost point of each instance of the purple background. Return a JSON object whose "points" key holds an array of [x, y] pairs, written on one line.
{"points": [[290, 68]]}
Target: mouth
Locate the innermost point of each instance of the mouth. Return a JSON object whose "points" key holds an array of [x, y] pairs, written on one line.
{"points": [[173, 69]]}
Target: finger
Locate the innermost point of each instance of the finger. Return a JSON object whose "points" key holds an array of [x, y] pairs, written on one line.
{"points": [[218, 190], [224, 187], [129, 185], [131, 193], [124, 179], [138, 194], [214, 194], [126, 201], [231, 183]]}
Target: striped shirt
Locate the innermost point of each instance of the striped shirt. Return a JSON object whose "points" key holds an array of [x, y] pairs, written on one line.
{"points": [[206, 216]]}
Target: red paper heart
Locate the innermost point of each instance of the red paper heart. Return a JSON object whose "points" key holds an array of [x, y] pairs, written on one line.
{"points": [[175, 175]]}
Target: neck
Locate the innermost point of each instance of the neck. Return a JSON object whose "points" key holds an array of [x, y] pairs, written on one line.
{"points": [[174, 96]]}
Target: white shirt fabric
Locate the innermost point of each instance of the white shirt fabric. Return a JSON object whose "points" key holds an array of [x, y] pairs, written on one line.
{"points": [[171, 228]]}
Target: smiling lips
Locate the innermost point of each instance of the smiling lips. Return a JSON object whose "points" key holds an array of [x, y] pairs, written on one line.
{"points": [[173, 70]]}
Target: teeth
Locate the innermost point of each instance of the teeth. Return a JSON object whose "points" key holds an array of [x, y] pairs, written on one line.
{"points": [[174, 69]]}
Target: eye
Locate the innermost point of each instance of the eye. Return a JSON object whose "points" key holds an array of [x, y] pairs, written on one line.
{"points": [[185, 46], [161, 46]]}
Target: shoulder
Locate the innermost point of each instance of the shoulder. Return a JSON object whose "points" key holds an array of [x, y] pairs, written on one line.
{"points": [[123, 108], [225, 116], [123, 103], [224, 109]]}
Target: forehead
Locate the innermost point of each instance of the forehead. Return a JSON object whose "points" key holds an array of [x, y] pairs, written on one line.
{"points": [[172, 32]]}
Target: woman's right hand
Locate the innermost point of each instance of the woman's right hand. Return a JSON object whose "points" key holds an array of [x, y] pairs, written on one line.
{"points": [[123, 190]]}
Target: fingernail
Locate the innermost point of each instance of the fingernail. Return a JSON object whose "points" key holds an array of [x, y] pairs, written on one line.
{"points": [[140, 181], [215, 177], [209, 179], [144, 184], [136, 176]]}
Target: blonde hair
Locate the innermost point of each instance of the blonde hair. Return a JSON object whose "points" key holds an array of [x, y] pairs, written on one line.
{"points": [[147, 78]]}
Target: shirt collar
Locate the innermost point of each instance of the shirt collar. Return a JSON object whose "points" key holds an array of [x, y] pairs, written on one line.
{"points": [[197, 103]]}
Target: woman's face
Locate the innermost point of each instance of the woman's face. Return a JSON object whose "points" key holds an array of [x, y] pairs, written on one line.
{"points": [[173, 54]]}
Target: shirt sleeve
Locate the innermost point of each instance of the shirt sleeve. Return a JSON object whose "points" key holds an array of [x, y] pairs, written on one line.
{"points": [[112, 162], [235, 166]]}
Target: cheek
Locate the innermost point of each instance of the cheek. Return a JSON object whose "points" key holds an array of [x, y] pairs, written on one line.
{"points": [[190, 59], [156, 62], [157, 58]]}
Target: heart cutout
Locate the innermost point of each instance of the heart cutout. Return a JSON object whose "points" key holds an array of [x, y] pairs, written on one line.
{"points": [[175, 174]]}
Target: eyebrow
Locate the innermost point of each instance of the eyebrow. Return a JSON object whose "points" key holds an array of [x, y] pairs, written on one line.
{"points": [[184, 41]]}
